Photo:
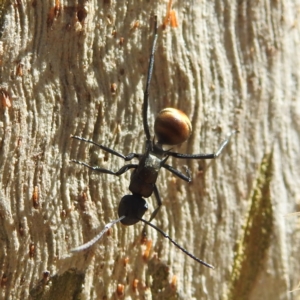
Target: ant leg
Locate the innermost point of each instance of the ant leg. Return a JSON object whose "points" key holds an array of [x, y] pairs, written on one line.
{"points": [[205, 156], [187, 177], [128, 157], [106, 171], [153, 215], [158, 200], [149, 75]]}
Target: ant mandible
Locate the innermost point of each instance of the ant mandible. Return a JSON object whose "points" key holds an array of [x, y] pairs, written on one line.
{"points": [[172, 127]]}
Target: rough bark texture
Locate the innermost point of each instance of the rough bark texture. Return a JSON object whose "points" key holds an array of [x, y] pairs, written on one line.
{"points": [[229, 64]]}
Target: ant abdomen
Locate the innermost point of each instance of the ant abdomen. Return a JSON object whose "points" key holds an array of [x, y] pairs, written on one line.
{"points": [[172, 126]]}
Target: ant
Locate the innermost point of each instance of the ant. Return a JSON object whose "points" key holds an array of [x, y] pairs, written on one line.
{"points": [[172, 127]]}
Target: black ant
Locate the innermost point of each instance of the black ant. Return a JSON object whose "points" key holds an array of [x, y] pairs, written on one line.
{"points": [[172, 127]]}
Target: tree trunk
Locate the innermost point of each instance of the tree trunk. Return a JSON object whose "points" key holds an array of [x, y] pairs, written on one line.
{"points": [[80, 69]]}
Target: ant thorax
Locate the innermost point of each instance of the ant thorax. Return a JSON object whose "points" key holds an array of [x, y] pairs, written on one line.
{"points": [[143, 178]]}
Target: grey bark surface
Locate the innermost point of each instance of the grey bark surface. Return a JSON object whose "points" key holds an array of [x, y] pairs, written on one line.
{"points": [[229, 64]]}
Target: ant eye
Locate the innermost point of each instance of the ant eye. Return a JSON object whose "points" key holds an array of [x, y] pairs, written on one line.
{"points": [[133, 207], [172, 126]]}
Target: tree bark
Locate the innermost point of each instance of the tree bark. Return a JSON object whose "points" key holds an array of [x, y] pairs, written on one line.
{"points": [[71, 68]]}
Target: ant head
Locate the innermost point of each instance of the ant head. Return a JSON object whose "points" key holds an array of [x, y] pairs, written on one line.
{"points": [[172, 126], [133, 208]]}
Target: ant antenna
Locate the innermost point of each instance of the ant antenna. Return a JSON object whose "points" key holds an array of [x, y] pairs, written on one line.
{"points": [[177, 245], [110, 224], [97, 237]]}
